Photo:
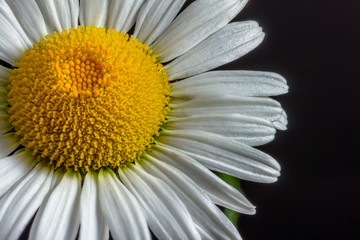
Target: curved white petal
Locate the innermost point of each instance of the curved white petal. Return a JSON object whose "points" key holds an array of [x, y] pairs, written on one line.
{"points": [[30, 18], [131, 19], [198, 21], [19, 205], [282, 122], [59, 14], [58, 176], [252, 131], [92, 222], [74, 12], [240, 83], [223, 154], [6, 12], [13, 168], [264, 107], [59, 215], [219, 191], [68, 13], [202, 210], [118, 12], [122, 14], [12, 45], [51, 15], [94, 12], [154, 17], [166, 215], [227, 45], [203, 233], [120, 208], [8, 143]]}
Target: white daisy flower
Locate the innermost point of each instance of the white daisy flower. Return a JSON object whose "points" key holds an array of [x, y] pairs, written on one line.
{"points": [[105, 132]]}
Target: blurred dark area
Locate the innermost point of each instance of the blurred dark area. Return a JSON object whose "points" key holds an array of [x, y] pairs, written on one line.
{"points": [[314, 44]]}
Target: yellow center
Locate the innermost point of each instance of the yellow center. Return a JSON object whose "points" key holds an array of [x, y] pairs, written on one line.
{"points": [[88, 98]]}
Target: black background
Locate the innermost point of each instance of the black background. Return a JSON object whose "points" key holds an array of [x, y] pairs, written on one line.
{"points": [[314, 44]]}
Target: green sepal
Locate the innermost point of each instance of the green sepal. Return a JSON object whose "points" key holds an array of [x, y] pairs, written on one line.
{"points": [[235, 183]]}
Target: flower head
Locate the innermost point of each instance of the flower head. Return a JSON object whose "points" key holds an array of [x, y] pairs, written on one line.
{"points": [[105, 131]]}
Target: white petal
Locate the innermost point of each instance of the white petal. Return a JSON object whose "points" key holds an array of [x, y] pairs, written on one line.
{"points": [[203, 233], [219, 191], [252, 131], [227, 45], [30, 18], [8, 143], [223, 154], [131, 18], [203, 211], [166, 215], [241, 83], [94, 12], [74, 7], [69, 17], [122, 14], [58, 14], [120, 208], [147, 12], [282, 122], [198, 21], [49, 11], [92, 222], [19, 205], [118, 12], [59, 215], [13, 168], [58, 176], [263, 107], [6, 11], [12, 45], [154, 17]]}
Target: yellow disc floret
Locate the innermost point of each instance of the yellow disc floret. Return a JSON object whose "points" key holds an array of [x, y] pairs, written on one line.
{"points": [[88, 98]]}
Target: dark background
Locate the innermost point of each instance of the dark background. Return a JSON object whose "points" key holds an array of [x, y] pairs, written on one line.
{"points": [[314, 44]]}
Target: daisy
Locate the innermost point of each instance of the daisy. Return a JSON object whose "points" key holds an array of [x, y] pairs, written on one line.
{"points": [[105, 132]]}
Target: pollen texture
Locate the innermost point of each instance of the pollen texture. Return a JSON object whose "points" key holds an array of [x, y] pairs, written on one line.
{"points": [[88, 98]]}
